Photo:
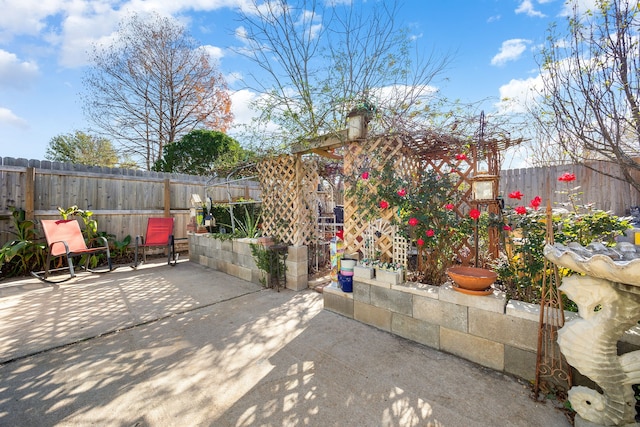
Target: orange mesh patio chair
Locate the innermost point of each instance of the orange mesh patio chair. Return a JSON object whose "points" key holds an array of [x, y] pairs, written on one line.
{"points": [[159, 234], [65, 239]]}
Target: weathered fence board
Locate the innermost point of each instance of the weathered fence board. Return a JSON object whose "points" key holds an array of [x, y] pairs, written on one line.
{"points": [[121, 200], [603, 192]]}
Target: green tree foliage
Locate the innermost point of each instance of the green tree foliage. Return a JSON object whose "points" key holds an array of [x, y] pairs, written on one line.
{"points": [[199, 152], [82, 148], [153, 84]]}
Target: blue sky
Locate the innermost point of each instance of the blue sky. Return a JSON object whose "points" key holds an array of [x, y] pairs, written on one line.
{"points": [[44, 45]]}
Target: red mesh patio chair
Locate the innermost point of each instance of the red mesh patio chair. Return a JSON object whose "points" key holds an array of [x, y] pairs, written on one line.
{"points": [[64, 238], [159, 234]]}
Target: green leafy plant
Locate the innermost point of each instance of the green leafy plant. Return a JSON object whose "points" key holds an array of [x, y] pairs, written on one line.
{"points": [[120, 248], [265, 260], [521, 267], [250, 225], [23, 253]]}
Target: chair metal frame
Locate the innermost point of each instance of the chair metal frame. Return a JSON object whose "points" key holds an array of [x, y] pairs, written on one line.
{"points": [[159, 234], [64, 239]]}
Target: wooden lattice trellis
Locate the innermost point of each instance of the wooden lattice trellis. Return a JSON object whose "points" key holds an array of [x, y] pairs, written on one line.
{"points": [[289, 210], [407, 155], [355, 159]]}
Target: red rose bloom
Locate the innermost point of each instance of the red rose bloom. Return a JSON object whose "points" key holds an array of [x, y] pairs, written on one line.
{"points": [[430, 232], [516, 195], [520, 210], [474, 213], [420, 241], [384, 204], [461, 156], [567, 177], [402, 192], [365, 175], [413, 222], [506, 227], [535, 203], [449, 206]]}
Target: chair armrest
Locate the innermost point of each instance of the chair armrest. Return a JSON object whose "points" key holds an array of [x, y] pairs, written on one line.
{"points": [[102, 239], [64, 242]]}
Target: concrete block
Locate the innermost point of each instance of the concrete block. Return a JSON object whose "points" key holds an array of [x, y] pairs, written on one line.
{"points": [[226, 245], [244, 273], [371, 315], [479, 350], [297, 283], [242, 246], [211, 244], [203, 260], [213, 263], [421, 289], [396, 301], [514, 331], [362, 292], [495, 302], [296, 268], [232, 269], [415, 330], [521, 363], [390, 277], [363, 272], [224, 266], [531, 312], [226, 256], [338, 302], [524, 310], [247, 261], [452, 316], [297, 254]]}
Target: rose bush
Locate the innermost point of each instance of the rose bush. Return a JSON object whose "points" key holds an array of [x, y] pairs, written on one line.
{"points": [[424, 204], [520, 267]]}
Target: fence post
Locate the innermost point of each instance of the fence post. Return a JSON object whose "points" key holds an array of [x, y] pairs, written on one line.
{"points": [[30, 193], [167, 198]]}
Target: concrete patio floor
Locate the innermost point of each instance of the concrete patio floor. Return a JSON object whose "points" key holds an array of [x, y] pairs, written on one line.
{"points": [[190, 346]]}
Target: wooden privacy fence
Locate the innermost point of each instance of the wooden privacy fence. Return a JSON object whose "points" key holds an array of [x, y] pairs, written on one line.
{"points": [[121, 199], [604, 192]]}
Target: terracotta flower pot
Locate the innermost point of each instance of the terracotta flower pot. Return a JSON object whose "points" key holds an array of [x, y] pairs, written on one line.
{"points": [[472, 278]]}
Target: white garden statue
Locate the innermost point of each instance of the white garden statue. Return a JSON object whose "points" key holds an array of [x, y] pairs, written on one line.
{"points": [[608, 300]]}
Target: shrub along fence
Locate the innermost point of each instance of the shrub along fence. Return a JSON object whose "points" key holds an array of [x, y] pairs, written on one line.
{"points": [[121, 199], [606, 193]]}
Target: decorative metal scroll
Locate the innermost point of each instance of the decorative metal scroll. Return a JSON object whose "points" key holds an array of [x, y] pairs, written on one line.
{"points": [[553, 373]]}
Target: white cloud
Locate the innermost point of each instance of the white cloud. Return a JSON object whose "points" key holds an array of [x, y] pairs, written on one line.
{"points": [[581, 6], [233, 77], [15, 73], [527, 7], [214, 52], [510, 50], [73, 26], [518, 94], [241, 106], [7, 117], [26, 17]]}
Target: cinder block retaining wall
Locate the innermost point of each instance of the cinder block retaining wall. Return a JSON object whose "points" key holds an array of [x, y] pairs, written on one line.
{"points": [[234, 257], [486, 330]]}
